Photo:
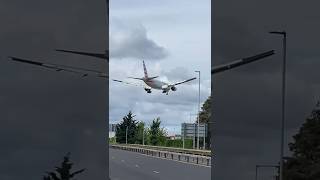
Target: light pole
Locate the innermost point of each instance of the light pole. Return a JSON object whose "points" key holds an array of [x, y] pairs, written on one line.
{"points": [[183, 139], [204, 137], [198, 139], [143, 136], [284, 35], [127, 135]]}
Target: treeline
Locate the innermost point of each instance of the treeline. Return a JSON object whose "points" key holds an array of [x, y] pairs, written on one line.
{"points": [[132, 131]]}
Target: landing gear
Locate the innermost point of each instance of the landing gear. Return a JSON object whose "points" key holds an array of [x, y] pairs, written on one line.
{"points": [[165, 92]]}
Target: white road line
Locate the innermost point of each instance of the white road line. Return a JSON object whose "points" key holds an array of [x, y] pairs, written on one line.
{"points": [[137, 166], [156, 172]]}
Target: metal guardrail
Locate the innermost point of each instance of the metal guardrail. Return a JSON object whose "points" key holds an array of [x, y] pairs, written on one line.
{"points": [[183, 157], [177, 150]]}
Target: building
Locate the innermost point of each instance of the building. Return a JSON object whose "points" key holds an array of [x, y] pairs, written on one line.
{"points": [[112, 130]]}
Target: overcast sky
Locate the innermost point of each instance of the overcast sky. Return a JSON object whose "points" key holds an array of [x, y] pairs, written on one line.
{"points": [[174, 39], [247, 100]]}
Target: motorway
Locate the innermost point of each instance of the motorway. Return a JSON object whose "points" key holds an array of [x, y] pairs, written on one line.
{"points": [[127, 165]]}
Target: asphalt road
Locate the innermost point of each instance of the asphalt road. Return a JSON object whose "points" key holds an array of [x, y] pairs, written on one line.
{"points": [[126, 165]]}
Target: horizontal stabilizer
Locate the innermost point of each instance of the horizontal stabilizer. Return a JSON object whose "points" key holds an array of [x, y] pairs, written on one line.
{"points": [[136, 78], [149, 78]]}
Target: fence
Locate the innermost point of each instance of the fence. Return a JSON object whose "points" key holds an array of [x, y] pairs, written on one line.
{"points": [[177, 156]]}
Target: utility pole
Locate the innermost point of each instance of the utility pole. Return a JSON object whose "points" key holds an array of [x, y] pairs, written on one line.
{"points": [[198, 139], [284, 48]]}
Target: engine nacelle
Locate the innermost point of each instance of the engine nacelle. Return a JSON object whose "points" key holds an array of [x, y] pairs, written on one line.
{"points": [[148, 89], [164, 87], [173, 88]]}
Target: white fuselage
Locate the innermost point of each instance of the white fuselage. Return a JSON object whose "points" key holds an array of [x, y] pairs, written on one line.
{"points": [[155, 84]]}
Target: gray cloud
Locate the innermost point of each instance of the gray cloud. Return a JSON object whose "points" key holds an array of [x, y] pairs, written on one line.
{"points": [[130, 40]]}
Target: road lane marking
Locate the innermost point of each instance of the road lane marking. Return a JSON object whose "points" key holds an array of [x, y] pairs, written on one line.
{"points": [[156, 172], [137, 166], [122, 160]]}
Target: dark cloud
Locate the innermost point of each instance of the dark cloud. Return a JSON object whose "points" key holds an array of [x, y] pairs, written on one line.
{"points": [[247, 100]]}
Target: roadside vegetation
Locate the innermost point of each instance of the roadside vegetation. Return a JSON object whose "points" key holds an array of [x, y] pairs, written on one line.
{"points": [[154, 134]]}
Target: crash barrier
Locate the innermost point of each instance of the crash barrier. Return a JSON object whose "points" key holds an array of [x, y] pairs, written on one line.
{"points": [[177, 150], [187, 158]]}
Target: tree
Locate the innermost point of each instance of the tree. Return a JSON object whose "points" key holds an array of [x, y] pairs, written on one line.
{"points": [[129, 122], [63, 172], [204, 117], [305, 161], [205, 113], [157, 135], [139, 133]]}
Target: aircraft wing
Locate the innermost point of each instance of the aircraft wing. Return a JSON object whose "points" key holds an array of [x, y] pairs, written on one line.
{"points": [[97, 55], [57, 67], [130, 83], [240, 62], [181, 82]]}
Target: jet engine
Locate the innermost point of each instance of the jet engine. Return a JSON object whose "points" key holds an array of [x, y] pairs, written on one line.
{"points": [[148, 89], [173, 88]]}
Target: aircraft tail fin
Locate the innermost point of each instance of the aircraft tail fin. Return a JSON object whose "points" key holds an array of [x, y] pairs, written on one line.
{"points": [[145, 70]]}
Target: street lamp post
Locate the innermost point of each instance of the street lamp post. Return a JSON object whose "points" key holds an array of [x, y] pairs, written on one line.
{"points": [[198, 139], [127, 135], [284, 35], [143, 136]]}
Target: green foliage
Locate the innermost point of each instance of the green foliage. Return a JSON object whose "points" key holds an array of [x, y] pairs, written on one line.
{"points": [[174, 143], [157, 135], [112, 140], [305, 161], [178, 143], [139, 133], [205, 112], [63, 172], [204, 117], [130, 124], [188, 143]]}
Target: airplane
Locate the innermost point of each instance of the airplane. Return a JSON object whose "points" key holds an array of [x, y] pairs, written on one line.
{"points": [[153, 83]]}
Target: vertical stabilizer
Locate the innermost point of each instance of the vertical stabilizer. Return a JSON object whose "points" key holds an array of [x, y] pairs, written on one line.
{"points": [[145, 70]]}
